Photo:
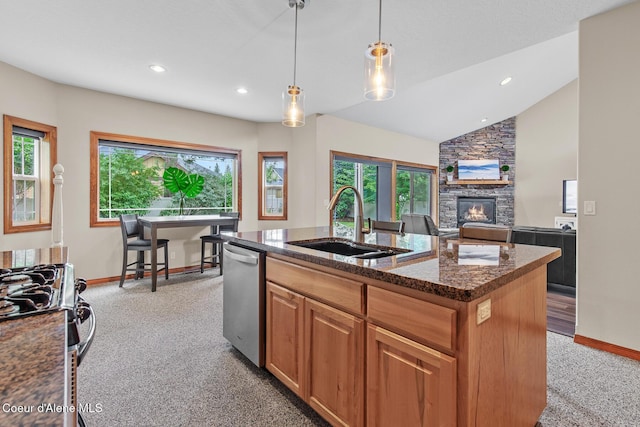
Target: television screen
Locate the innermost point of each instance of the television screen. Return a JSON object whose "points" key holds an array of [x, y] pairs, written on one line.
{"points": [[570, 196], [478, 169]]}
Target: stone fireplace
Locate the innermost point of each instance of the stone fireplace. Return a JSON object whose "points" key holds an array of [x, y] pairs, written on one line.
{"points": [[476, 209], [496, 141]]}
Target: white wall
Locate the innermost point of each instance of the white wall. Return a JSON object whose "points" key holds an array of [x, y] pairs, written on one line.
{"points": [[546, 154], [609, 149], [33, 95], [29, 97], [81, 111], [298, 142], [97, 252]]}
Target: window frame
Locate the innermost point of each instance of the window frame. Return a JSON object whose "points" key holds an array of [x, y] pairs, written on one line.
{"points": [[45, 209], [262, 156], [96, 136], [394, 168]]}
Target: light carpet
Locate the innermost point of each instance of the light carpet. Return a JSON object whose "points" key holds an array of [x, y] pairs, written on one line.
{"points": [[159, 359]]}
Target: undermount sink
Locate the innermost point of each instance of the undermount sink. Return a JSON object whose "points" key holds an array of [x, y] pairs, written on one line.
{"points": [[349, 248]]}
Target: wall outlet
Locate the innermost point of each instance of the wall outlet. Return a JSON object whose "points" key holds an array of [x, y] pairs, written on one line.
{"points": [[484, 311], [172, 255]]}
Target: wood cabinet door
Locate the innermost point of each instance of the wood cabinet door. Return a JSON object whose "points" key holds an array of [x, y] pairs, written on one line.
{"points": [[408, 384], [334, 354], [285, 344]]}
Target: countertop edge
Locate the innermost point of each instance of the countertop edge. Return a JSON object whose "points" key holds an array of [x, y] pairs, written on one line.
{"points": [[424, 285]]}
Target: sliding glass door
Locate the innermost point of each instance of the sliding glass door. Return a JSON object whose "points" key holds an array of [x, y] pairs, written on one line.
{"points": [[389, 188], [413, 191]]}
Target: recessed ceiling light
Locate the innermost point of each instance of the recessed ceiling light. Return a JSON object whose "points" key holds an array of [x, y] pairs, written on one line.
{"points": [[157, 68], [484, 120], [242, 90], [505, 81]]}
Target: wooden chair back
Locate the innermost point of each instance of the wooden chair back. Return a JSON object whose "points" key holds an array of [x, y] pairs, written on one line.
{"points": [[481, 231], [386, 226]]}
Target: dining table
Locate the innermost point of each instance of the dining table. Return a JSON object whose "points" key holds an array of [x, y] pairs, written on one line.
{"points": [[153, 223]]}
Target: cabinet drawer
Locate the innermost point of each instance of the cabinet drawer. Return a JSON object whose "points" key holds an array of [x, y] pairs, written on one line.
{"points": [[421, 319], [338, 291]]}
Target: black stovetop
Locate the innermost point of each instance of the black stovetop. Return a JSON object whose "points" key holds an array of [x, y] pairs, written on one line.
{"points": [[31, 290]]}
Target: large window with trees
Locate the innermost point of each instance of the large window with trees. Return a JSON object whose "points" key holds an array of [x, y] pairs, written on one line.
{"points": [[272, 187], [126, 177], [389, 188], [29, 156]]}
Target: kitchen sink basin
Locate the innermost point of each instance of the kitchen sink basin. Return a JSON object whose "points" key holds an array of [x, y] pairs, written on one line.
{"points": [[349, 248]]}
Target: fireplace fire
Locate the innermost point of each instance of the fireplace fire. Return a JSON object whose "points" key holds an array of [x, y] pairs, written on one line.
{"points": [[476, 209]]}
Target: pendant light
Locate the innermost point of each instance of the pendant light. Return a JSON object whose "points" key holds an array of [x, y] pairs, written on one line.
{"points": [[293, 97], [379, 78]]}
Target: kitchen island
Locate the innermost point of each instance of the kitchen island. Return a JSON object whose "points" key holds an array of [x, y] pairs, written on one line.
{"points": [[448, 332]]}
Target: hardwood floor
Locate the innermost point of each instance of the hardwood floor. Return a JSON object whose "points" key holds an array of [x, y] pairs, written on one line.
{"points": [[561, 314]]}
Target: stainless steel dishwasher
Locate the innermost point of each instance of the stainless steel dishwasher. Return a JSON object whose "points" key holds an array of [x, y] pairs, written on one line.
{"points": [[243, 301]]}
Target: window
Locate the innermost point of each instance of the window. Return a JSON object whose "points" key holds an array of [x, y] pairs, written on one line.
{"points": [[126, 177], [29, 156], [272, 188], [413, 190], [382, 183]]}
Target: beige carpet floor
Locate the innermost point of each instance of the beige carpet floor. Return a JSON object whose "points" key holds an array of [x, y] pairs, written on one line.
{"points": [[159, 359]]}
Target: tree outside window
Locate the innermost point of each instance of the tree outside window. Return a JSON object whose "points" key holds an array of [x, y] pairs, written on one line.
{"points": [[272, 187], [128, 177], [413, 191]]}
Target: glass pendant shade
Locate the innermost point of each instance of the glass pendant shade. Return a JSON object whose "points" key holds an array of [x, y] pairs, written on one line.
{"points": [[379, 77], [293, 107]]}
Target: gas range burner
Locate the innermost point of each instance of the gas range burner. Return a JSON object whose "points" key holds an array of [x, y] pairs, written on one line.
{"points": [[27, 290], [7, 308], [15, 278]]}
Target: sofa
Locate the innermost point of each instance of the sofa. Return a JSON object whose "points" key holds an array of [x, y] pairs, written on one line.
{"points": [[561, 272]]}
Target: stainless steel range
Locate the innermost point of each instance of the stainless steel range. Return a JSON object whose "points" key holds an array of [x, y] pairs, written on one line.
{"points": [[41, 311]]}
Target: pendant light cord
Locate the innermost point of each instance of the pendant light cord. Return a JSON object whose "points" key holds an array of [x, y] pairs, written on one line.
{"points": [[295, 45], [380, 21]]}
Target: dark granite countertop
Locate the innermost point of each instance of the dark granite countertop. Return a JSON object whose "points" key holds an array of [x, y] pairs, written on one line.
{"points": [[462, 270], [32, 353], [32, 363]]}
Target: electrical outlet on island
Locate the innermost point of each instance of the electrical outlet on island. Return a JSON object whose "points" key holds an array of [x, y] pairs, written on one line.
{"points": [[484, 311]]}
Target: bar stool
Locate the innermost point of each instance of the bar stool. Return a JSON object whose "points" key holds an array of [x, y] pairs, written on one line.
{"points": [[133, 241], [216, 243]]}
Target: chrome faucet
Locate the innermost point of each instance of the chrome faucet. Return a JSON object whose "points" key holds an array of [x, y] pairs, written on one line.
{"points": [[359, 218]]}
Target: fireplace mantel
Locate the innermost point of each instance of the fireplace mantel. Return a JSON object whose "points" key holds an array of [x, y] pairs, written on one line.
{"points": [[479, 182]]}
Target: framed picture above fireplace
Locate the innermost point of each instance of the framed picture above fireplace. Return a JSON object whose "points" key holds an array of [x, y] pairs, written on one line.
{"points": [[486, 169]]}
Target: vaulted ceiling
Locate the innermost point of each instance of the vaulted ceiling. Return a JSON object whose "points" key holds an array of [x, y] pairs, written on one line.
{"points": [[450, 54]]}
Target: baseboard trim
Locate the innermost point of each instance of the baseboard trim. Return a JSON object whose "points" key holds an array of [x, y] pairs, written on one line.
{"points": [[605, 346], [188, 269]]}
